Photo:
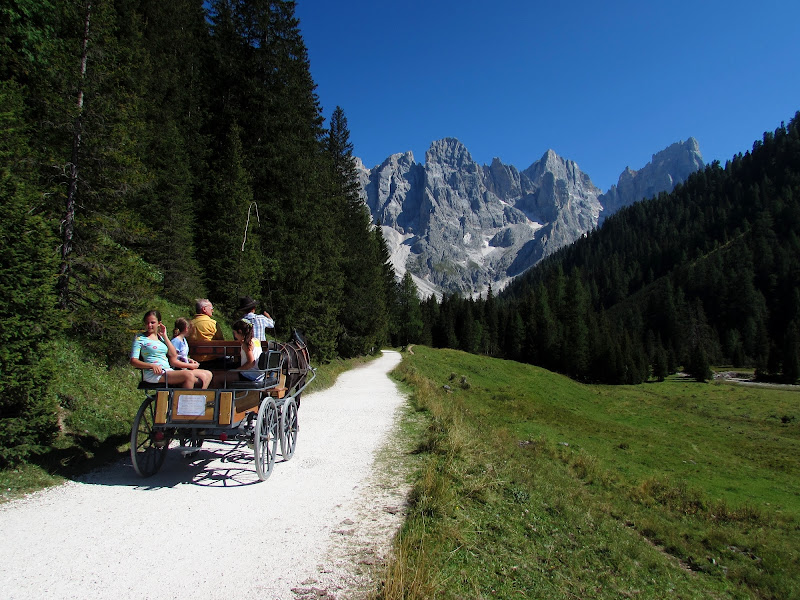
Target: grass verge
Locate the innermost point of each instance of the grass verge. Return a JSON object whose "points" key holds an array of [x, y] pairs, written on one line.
{"points": [[535, 486]]}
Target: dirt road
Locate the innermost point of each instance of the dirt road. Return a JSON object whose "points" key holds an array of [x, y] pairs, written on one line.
{"points": [[205, 527]]}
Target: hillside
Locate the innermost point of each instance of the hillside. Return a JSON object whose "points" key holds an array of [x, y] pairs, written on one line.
{"points": [[709, 273]]}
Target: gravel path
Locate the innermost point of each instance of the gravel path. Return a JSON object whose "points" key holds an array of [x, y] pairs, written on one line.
{"points": [[205, 527]]}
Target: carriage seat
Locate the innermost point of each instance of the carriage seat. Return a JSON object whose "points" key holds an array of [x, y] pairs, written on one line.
{"points": [[270, 363], [228, 350], [144, 385]]}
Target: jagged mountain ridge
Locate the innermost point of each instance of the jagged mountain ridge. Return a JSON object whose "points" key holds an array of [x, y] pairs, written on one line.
{"points": [[667, 168], [458, 226]]}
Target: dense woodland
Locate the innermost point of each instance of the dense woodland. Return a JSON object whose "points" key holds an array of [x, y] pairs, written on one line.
{"points": [[171, 150], [708, 274]]}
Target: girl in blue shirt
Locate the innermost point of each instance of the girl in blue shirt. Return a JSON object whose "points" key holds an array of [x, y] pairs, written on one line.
{"points": [[153, 352]]}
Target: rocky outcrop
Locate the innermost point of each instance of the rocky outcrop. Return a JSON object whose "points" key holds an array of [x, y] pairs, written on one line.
{"points": [[667, 169], [458, 226]]}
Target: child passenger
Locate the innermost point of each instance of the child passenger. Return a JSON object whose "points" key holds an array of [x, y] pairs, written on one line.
{"points": [[250, 351], [183, 327]]}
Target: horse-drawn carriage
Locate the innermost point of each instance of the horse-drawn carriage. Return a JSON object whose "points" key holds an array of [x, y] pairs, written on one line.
{"points": [[262, 413]]}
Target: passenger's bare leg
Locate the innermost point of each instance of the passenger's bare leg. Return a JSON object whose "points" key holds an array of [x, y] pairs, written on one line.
{"points": [[203, 376], [181, 378]]}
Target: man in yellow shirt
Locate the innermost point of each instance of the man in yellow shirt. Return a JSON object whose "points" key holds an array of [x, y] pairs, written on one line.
{"points": [[204, 327]]}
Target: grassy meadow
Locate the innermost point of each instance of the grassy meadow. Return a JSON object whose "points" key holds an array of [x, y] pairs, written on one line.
{"points": [[534, 486]]}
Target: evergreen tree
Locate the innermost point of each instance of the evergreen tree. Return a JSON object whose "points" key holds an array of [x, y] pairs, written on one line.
{"points": [[791, 353], [410, 312], [363, 315], [233, 255], [575, 341], [265, 86], [27, 297], [660, 362], [175, 41], [92, 127], [698, 365], [390, 287], [492, 320]]}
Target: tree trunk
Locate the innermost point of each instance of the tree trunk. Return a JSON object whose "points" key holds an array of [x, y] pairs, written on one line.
{"points": [[68, 222]]}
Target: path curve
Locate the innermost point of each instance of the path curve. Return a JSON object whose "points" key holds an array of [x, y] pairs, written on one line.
{"points": [[207, 528]]}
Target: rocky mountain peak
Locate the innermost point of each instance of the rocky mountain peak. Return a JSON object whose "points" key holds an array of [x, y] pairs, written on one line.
{"points": [[448, 152], [668, 168], [398, 160], [457, 226]]}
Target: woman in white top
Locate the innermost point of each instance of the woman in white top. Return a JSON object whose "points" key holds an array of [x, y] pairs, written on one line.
{"points": [[250, 351]]}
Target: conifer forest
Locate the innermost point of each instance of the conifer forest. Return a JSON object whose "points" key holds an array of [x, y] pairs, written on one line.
{"points": [[175, 150]]}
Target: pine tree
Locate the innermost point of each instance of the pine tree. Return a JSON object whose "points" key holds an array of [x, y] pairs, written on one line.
{"points": [[363, 315], [91, 127], [232, 251], [264, 84], [492, 319], [699, 366], [27, 295], [575, 342], [410, 312], [390, 286], [791, 353], [175, 43]]}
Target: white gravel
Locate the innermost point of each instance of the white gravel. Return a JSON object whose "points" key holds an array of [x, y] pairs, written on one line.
{"points": [[205, 527]]}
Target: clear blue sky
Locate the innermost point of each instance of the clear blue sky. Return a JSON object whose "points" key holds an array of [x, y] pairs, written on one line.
{"points": [[606, 84]]}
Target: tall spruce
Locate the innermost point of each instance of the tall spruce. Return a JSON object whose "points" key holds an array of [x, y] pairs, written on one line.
{"points": [[271, 96], [174, 36], [410, 314], [93, 131], [233, 257], [390, 285], [363, 315], [27, 295]]}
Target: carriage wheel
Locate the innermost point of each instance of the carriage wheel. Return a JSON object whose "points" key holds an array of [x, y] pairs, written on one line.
{"points": [[266, 439], [148, 444], [289, 428]]}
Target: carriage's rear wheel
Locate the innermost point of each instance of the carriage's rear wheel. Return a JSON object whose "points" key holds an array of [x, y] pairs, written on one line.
{"points": [[289, 428], [266, 438], [148, 444]]}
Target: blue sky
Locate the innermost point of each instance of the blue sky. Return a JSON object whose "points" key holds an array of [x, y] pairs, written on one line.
{"points": [[606, 84]]}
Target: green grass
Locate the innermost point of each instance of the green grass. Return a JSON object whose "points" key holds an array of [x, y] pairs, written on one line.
{"points": [[536, 486], [97, 404]]}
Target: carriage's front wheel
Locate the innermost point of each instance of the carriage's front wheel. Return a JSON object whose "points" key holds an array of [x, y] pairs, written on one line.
{"points": [[148, 444], [266, 439], [289, 428]]}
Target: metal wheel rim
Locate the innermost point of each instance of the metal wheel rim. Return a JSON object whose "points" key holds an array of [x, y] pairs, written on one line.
{"points": [[289, 429], [265, 444], [146, 457]]}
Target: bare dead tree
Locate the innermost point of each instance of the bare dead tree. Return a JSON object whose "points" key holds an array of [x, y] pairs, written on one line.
{"points": [[68, 222]]}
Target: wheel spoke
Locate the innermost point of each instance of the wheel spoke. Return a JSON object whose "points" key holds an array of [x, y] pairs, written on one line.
{"points": [[147, 457], [288, 428], [265, 442]]}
